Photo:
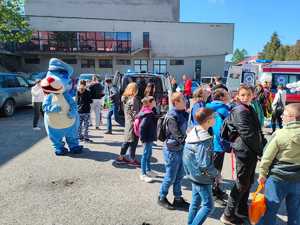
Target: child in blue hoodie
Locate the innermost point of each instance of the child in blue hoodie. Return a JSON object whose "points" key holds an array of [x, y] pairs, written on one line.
{"points": [[199, 167], [220, 99], [148, 126]]}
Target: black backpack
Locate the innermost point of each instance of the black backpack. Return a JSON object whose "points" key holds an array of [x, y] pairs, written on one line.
{"points": [[161, 128]]}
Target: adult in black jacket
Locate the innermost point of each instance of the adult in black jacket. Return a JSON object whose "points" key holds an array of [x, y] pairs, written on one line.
{"points": [[97, 92], [84, 100], [248, 147]]}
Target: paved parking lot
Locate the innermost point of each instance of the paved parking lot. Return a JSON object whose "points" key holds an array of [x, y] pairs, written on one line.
{"points": [[38, 188]]}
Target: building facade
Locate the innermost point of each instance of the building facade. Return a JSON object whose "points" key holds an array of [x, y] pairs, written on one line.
{"points": [[105, 36]]}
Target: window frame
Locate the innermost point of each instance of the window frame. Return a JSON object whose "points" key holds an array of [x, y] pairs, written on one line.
{"points": [[174, 62], [160, 63], [140, 63], [88, 64], [105, 65]]}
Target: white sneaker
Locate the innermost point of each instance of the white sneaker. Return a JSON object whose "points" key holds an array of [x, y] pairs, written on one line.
{"points": [[36, 128], [146, 178], [152, 174]]}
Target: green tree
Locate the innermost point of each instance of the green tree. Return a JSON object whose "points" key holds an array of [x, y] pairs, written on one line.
{"points": [[13, 26], [281, 53], [294, 52], [270, 49], [239, 55]]}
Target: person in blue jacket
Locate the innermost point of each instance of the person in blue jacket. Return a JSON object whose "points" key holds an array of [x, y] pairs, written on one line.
{"points": [[220, 99], [199, 167], [199, 98]]}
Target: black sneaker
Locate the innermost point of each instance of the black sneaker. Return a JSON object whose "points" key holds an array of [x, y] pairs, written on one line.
{"points": [[86, 140], [181, 204], [108, 132], [219, 194], [97, 128], [163, 202], [231, 220], [220, 202]]}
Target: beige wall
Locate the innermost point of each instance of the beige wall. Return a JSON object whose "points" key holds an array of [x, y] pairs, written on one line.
{"points": [[167, 39], [151, 10], [210, 65]]}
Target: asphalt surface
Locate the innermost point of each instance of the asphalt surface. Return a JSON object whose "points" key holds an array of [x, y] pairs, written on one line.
{"points": [[39, 188]]}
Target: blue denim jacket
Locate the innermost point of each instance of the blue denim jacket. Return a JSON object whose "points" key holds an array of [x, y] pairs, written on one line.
{"points": [[198, 157]]}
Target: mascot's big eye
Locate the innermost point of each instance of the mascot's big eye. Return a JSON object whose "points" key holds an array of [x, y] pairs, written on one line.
{"points": [[63, 73]]}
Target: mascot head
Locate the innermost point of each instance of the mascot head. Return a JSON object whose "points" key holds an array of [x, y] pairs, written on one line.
{"points": [[58, 79]]}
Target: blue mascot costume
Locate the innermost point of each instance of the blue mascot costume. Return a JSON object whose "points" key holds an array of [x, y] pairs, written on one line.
{"points": [[61, 116]]}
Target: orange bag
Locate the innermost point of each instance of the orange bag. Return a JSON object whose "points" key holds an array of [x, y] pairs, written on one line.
{"points": [[258, 206]]}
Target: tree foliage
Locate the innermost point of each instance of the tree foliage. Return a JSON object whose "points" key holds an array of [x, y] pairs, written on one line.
{"points": [[274, 50], [239, 55], [13, 26]]}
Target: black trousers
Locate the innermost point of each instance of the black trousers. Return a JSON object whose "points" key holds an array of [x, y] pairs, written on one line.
{"points": [[238, 199], [218, 163], [130, 145], [276, 117], [37, 111]]}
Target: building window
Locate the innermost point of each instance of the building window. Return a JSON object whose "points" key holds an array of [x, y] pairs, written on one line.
{"points": [[87, 63], [105, 63], [160, 66], [32, 60], [70, 61], [79, 41], [146, 40], [124, 62], [87, 41], [140, 65], [176, 62]]}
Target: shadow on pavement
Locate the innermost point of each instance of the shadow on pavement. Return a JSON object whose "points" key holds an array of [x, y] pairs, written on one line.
{"points": [[95, 155], [17, 135]]}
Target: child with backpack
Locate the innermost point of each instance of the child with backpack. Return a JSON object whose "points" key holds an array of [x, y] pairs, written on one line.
{"points": [[220, 99], [176, 122], [199, 167], [248, 146], [145, 127]]}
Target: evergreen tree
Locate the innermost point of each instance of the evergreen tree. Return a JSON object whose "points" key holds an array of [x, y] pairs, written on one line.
{"points": [[239, 55], [294, 52], [270, 49]]}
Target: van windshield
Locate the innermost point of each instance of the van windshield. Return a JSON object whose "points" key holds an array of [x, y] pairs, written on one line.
{"points": [[142, 83]]}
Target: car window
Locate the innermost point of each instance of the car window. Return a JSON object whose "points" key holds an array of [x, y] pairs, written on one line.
{"points": [[1, 81], [142, 83], [22, 82], [10, 82]]}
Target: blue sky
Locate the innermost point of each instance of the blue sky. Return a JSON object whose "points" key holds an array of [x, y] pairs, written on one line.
{"points": [[255, 20]]}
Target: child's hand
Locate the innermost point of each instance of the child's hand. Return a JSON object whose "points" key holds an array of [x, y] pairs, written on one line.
{"points": [[262, 180]]}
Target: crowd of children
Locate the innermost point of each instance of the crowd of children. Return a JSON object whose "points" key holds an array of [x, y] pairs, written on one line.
{"points": [[197, 136]]}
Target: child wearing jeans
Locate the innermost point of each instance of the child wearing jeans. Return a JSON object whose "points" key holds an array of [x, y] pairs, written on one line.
{"points": [[84, 101], [199, 166], [148, 125]]}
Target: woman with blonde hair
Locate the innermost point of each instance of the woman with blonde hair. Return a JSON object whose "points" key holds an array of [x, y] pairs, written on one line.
{"points": [[131, 108]]}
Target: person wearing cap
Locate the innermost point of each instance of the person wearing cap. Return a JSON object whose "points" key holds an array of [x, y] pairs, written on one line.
{"points": [[37, 100]]}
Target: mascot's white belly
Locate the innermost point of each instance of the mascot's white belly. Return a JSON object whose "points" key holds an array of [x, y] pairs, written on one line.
{"points": [[61, 119]]}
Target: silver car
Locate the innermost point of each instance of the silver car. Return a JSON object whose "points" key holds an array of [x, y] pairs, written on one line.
{"points": [[15, 91]]}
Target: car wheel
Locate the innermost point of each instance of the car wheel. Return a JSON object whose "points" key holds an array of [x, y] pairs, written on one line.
{"points": [[8, 108]]}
